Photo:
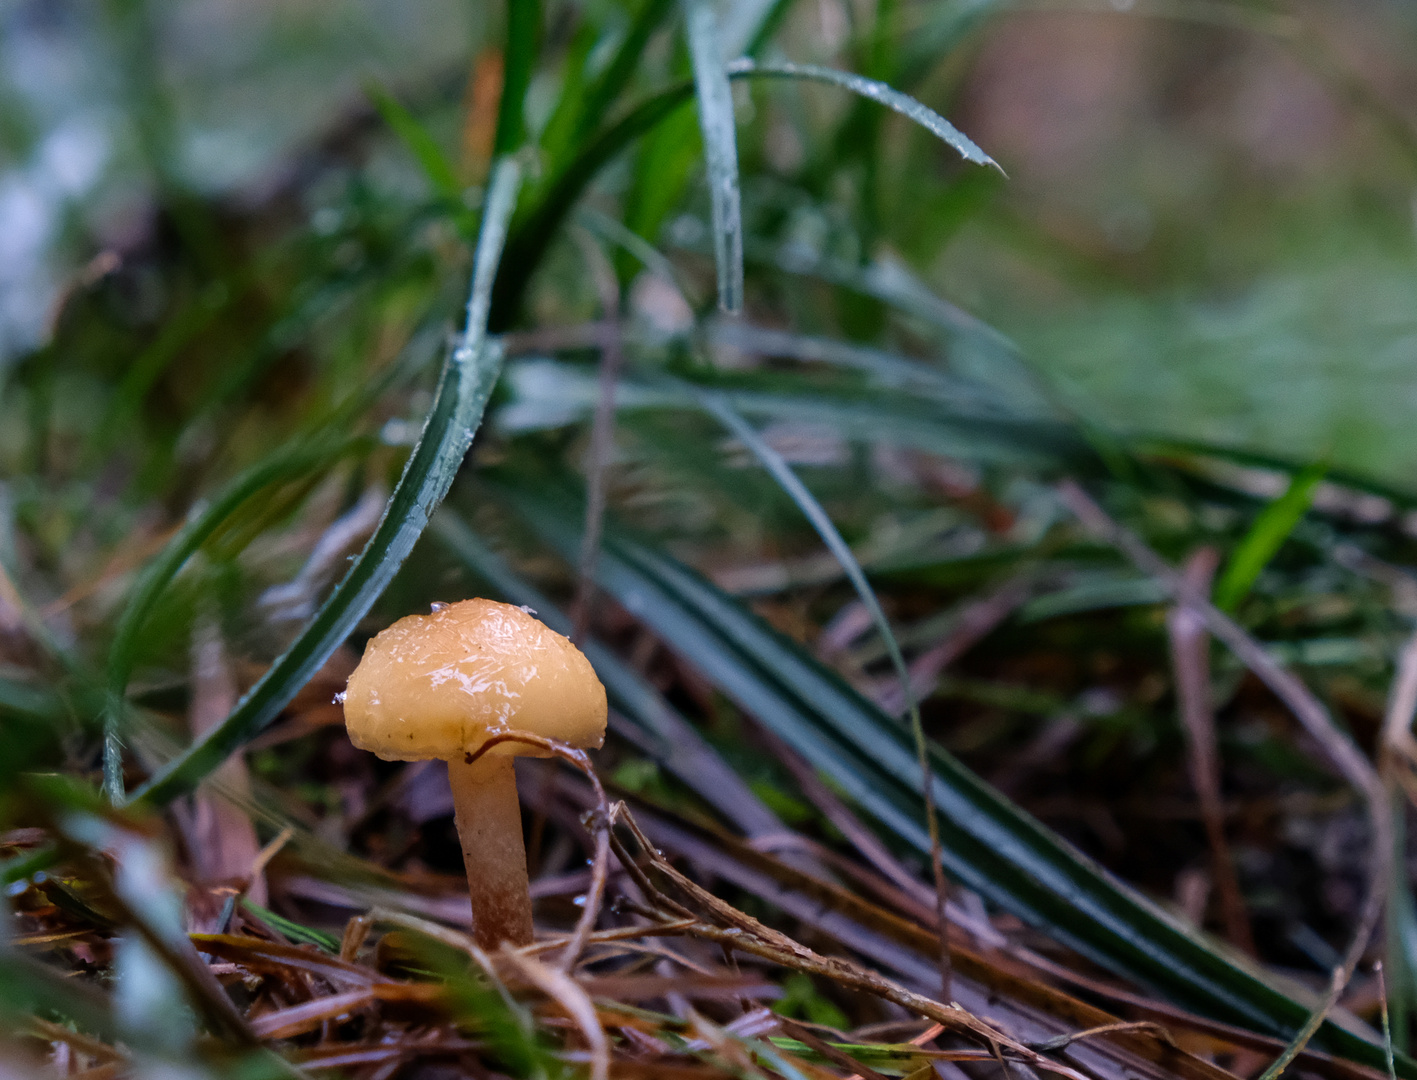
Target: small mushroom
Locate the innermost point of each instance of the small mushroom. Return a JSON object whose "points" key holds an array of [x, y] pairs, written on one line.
{"points": [[441, 686]]}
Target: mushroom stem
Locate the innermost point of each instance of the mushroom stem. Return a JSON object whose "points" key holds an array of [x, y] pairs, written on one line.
{"points": [[489, 823]]}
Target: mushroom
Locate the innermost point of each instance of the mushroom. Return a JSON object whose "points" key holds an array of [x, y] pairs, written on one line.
{"points": [[444, 685]]}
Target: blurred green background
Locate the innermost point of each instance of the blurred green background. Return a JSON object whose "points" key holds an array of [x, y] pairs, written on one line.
{"points": [[1206, 234]]}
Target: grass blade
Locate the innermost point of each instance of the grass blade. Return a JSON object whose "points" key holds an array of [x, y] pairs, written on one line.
{"points": [[468, 378], [535, 231], [876, 91], [423, 146], [993, 848], [1271, 527], [548, 394], [167, 566], [885, 369], [601, 94], [715, 98], [523, 39], [822, 523], [719, 408]]}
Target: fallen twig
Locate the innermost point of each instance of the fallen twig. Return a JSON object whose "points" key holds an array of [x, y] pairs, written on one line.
{"points": [[1190, 658]]}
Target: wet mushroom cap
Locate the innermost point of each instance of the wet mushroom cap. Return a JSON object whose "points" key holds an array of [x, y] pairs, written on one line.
{"points": [[437, 686]]}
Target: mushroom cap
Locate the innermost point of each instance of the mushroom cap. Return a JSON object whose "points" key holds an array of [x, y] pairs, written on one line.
{"points": [[437, 686]]}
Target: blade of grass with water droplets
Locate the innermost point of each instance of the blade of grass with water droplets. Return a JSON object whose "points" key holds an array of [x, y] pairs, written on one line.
{"points": [[876, 91], [715, 98], [468, 378]]}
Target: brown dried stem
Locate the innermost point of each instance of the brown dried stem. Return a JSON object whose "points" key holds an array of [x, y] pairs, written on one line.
{"points": [[1190, 658]]}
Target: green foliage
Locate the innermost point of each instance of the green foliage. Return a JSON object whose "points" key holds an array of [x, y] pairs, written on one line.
{"points": [[1271, 527], [800, 998], [431, 159]]}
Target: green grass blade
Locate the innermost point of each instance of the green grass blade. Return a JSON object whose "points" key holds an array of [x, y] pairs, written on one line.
{"points": [[548, 394], [1271, 527], [613, 231], [297, 932], [523, 42], [885, 369], [791, 483], [876, 91], [716, 121], [468, 378], [601, 94], [162, 570], [719, 408], [534, 232], [423, 146], [992, 846]]}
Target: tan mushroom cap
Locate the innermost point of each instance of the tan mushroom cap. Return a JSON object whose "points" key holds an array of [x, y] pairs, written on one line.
{"points": [[436, 686]]}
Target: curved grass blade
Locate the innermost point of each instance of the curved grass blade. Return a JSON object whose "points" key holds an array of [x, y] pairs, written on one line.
{"points": [[791, 483], [994, 848], [468, 377], [534, 233], [719, 408], [716, 121], [166, 567], [885, 369], [878, 92], [614, 231], [548, 394], [1271, 527]]}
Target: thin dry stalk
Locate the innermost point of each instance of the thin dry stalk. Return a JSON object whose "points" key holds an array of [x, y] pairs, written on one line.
{"points": [[221, 840], [937, 858], [356, 932], [1190, 659], [564, 990], [1397, 735]]}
